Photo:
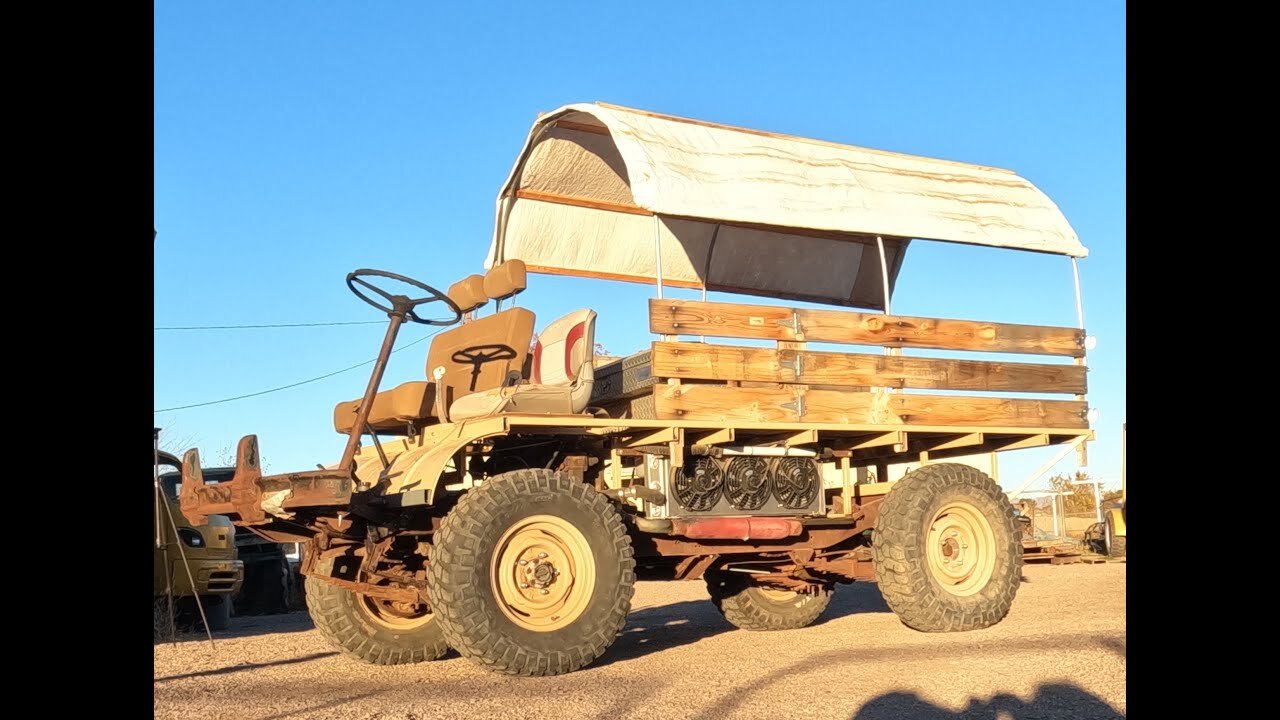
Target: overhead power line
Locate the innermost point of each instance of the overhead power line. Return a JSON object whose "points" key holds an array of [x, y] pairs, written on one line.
{"points": [[279, 325], [292, 385]]}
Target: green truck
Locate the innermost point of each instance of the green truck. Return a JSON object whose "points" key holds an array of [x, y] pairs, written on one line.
{"points": [[208, 551]]}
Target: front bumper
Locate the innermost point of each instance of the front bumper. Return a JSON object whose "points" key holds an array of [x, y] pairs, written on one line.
{"points": [[249, 498], [212, 577]]}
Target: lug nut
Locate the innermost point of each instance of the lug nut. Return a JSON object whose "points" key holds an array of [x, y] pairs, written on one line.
{"points": [[544, 591], [541, 555], [524, 585], [523, 562]]}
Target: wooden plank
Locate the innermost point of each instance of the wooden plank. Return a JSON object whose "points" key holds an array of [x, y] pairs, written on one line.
{"points": [[576, 201], [726, 404], [768, 322], [582, 127], [730, 362]]}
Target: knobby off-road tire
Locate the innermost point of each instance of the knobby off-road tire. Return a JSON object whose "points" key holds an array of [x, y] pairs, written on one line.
{"points": [[532, 574], [751, 607], [360, 627], [1116, 546], [947, 556]]}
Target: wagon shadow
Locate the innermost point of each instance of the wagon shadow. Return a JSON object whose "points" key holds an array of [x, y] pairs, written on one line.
{"points": [[654, 629], [1055, 701]]}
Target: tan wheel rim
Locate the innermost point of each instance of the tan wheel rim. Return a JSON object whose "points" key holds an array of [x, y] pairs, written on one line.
{"points": [[961, 549], [543, 573], [396, 616], [777, 595]]}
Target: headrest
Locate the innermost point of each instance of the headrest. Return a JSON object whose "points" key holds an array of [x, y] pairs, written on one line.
{"points": [[468, 293], [505, 279]]}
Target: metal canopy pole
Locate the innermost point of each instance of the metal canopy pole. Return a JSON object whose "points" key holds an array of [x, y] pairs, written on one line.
{"points": [[884, 273], [657, 252], [1075, 274]]}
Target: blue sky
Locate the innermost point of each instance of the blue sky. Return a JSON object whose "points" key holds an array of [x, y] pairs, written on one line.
{"points": [[296, 141]]}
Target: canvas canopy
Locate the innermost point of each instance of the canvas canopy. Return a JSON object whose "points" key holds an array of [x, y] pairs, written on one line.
{"points": [[597, 186]]}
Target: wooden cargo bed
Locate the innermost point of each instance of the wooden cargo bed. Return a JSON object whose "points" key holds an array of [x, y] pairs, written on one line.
{"points": [[721, 383]]}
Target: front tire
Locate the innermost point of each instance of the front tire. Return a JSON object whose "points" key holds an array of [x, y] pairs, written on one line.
{"points": [[374, 631], [947, 556], [532, 574], [752, 607]]}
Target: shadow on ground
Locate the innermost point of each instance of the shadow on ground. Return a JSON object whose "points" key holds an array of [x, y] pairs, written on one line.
{"points": [[654, 629], [245, 667], [1057, 701], [249, 625]]}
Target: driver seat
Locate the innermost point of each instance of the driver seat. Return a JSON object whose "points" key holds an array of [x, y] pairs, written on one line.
{"points": [[504, 337], [563, 373]]}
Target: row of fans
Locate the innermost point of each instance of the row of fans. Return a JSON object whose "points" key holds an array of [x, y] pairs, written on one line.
{"points": [[746, 482]]}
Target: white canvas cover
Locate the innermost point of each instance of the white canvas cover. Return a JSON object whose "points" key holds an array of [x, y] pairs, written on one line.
{"points": [[746, 211]]}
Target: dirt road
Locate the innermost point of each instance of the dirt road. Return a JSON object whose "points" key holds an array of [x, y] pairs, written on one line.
{"points": [[1059, 654]]}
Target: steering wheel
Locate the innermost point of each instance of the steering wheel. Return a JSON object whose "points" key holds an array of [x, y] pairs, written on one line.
{"points": [[401, 304], [478, 355]]}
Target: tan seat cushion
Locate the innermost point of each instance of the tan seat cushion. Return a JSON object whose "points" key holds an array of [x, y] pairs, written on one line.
{"points": [[539, 399], [392, 409]]}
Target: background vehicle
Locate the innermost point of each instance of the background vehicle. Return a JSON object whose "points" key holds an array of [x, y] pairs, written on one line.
{"points": [[1114, 527], [210, 554], [507, 502]]}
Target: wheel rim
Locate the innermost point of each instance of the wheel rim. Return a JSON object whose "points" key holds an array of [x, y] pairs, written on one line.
{"points": [[397, 616], [961, 549], [543, 573], [777, 595]]}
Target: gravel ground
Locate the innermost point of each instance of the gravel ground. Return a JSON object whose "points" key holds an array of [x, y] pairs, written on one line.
{"points": [[1059, 654]]}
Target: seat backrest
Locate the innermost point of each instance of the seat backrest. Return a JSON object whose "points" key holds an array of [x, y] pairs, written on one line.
{"points": [[564, 352], [481, 354], [468, 294]]}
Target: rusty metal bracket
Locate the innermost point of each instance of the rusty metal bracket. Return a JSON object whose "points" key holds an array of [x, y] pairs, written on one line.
{"points": [[394, 594]]}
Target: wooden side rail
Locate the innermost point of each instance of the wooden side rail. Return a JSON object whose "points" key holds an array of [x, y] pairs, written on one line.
{"points": [[768, 322], [697, 361], [723, 403]]}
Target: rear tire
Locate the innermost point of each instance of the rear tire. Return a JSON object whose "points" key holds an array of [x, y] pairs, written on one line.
{"points": [[752, 607], [532, 574], [948, 558], [355, 625]]}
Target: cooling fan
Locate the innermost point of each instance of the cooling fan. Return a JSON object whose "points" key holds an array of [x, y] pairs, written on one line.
{"points": [[796, 482], [746, 484], [697, 487]]}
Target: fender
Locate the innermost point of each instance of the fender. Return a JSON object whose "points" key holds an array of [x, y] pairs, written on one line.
{"points": [[416, 465]]}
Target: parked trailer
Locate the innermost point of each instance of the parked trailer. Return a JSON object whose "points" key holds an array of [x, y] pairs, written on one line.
{"points": [[506, 503]]}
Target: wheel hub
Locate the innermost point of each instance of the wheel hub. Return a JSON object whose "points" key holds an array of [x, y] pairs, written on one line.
{"points": [[960, 547], [543, 573]]}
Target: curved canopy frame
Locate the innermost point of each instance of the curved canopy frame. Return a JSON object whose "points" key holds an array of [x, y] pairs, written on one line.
{"points": [[746, 211]]}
